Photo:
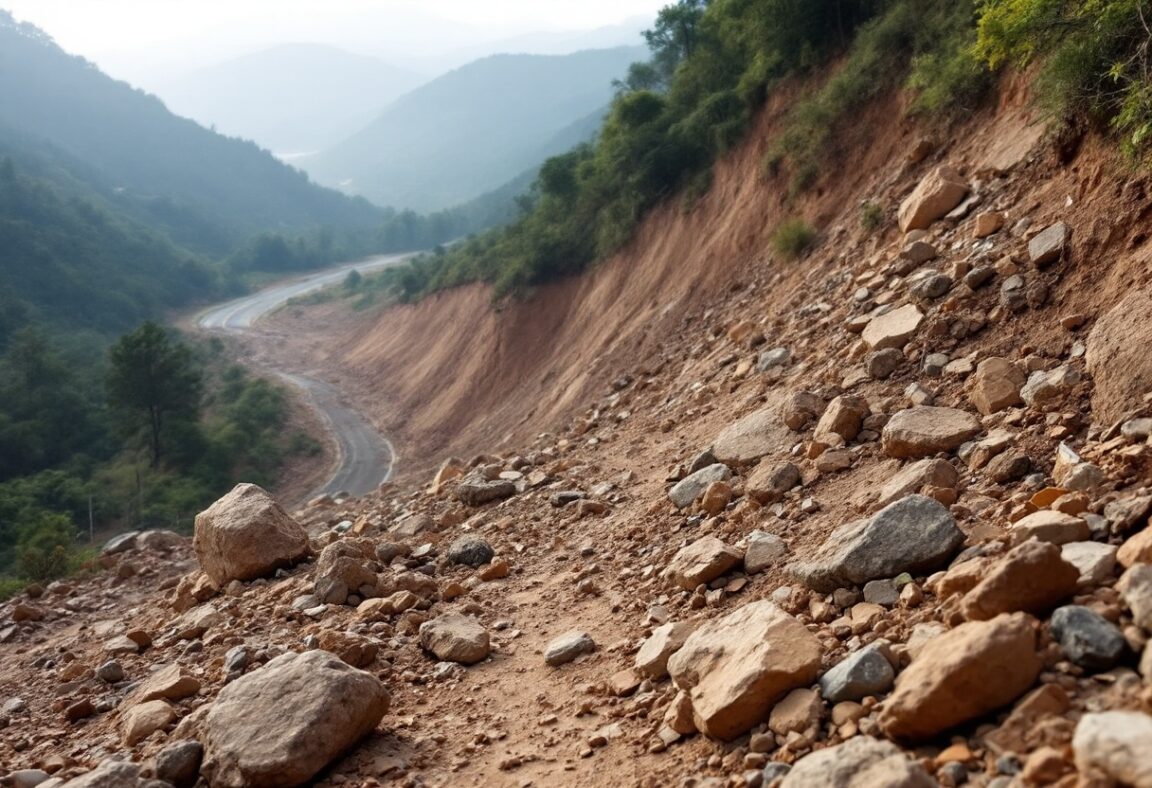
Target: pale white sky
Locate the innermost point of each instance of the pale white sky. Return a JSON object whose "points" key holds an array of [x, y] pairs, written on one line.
{"points": [[132, 38]]}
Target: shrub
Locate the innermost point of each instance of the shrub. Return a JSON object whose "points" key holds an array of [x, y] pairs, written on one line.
{"points": [[793, 237], [871, 216]]}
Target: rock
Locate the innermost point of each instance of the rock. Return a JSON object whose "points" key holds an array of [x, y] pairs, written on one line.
{"points": [[246, 535], [863, 673], [167, 683], [110, 672], [995, 385], [893, 329], [121, 543], [736, 668], [665, 640], [357, 650], [1087, 638], [844, 417], [881, 364], [449, 470], [882, 592], [763, 551], [776, 357], [931, 286], [110, 774], [1117, 357], [1136, 550], [769, 483], [800, 710], [752, 437], [916, 476], [568, 647], [1047, 246], [1050, 526], [1008, 467], [919, 252], [179, 763], [282, 724], [1014, 294], [1043, 389], [340, 571], [860, 762], [716, 498], [471, 551], [979, 276], [926, 430], [702, 562], [475, 490], [801, 407], [916, 534], [1135, 586], [455, 638], [1094, 561], [27, 778], [988, 223], [160, 541], [23, 612], [142, 720], [936, 195], [196, 622], [963, 674], [1116, 743], [691, 487], [1031, 577]]}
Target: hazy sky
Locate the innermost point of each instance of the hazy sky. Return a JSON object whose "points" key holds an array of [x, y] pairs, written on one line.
{"points": [[130, 38]]}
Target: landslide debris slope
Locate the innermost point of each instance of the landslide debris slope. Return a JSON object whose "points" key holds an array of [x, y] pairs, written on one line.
{"points": [[877, 517]]}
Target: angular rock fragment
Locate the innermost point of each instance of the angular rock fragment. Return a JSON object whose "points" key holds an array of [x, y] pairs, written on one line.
{"points": [[702, 562], [246, 535], [1117, 744], [927, 430], [455, 638], [665, 640], [893, 329], [860, 762], [687, 490], [938, 193], [1031, 577]]}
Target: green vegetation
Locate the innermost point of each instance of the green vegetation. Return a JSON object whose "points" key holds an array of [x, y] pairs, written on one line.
{"points": [[173, 429], [871, 216], [793, 237]]}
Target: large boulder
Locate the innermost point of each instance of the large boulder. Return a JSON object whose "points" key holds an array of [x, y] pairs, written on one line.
{"points": [[752, 437], [961, 675], [915, 534], [936, 195], [860, 762], [1118, 357], [453, 637], [246, 535], [926, 430], [1032, 577], [736, 668], [282, 724], [1117, 744], [702, 562]]}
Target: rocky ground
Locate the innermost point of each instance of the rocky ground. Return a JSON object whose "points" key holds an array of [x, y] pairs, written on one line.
{"points": [[914, 551]]}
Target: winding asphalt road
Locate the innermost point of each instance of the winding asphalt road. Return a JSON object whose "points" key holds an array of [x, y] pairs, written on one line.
{"points": [[365, 456]]}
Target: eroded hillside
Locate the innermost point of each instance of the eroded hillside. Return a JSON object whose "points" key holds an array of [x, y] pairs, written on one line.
{"points": [[877, 515]]}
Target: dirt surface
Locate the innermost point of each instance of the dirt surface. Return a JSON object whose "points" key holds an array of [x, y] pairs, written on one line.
{"points": [[611, 385]]}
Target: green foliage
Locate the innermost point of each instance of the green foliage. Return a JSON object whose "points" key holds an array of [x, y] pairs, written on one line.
{"points": [[154, 384], [793, 237], [871, 216], [1094, 53]]}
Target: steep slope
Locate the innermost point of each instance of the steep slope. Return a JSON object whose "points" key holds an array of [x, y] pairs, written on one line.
{"points": [[290, 99], [154, 158], [473, 129]]}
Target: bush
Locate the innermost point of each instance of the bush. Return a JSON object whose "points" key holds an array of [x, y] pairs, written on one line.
{"points": [[793, 237], [871, 216]]}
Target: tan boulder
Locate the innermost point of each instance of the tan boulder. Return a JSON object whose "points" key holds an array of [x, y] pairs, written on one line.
{"points": [[893, 329], [1117, 744], [1050, 526], [961, 675], [936, 195], [735, 669], [1118, 357], [860, 762], [927, 430], [1032, 577], [844, 417], [1137, 550], [453, 637], [246, 535], [768, 483], [144, 719], [702, 562], [916, 476], [168, 683], [665, 640], [759, 433], [279, 726], [996, 385]]}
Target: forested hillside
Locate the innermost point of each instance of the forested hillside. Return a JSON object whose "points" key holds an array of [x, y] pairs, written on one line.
{"points": [[473, 129], [183, 176]]}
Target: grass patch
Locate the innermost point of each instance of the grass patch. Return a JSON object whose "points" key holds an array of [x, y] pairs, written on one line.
{"points": [[793, 238]]}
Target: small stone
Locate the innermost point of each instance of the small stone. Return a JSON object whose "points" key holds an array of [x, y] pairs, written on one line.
{"points": [[716, 498], [470, 551], [702, 562], [179, 763], [1031, 577], [769, 483], [143, 720], [1116, 743], [1087, 638], [893, 329], [455, 638], [1047, 246], [1135, 586], [568, 647], [475, 490], [866, 672], [882, 592], [995, 385], [988, 223], [110, 672], [764, 551], [933, 198], [1095, 561], [1050, 526], [798, 711], [923, 431], [665, 640], [688, 489], [931, 286], [168, 683], [861, 761], [881, 364]]}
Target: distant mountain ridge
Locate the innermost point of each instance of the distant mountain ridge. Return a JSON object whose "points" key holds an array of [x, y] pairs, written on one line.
{"points": [[292, 98], [473, 129]]}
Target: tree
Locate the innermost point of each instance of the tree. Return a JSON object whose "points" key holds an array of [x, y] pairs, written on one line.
{"points": [[673, 39], [153, 376]]}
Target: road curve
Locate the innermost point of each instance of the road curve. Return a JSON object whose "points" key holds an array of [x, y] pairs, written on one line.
{"points": [[365, 457]]}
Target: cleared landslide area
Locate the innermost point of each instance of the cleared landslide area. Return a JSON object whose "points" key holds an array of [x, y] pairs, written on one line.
{"points": [[874, 517]]}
